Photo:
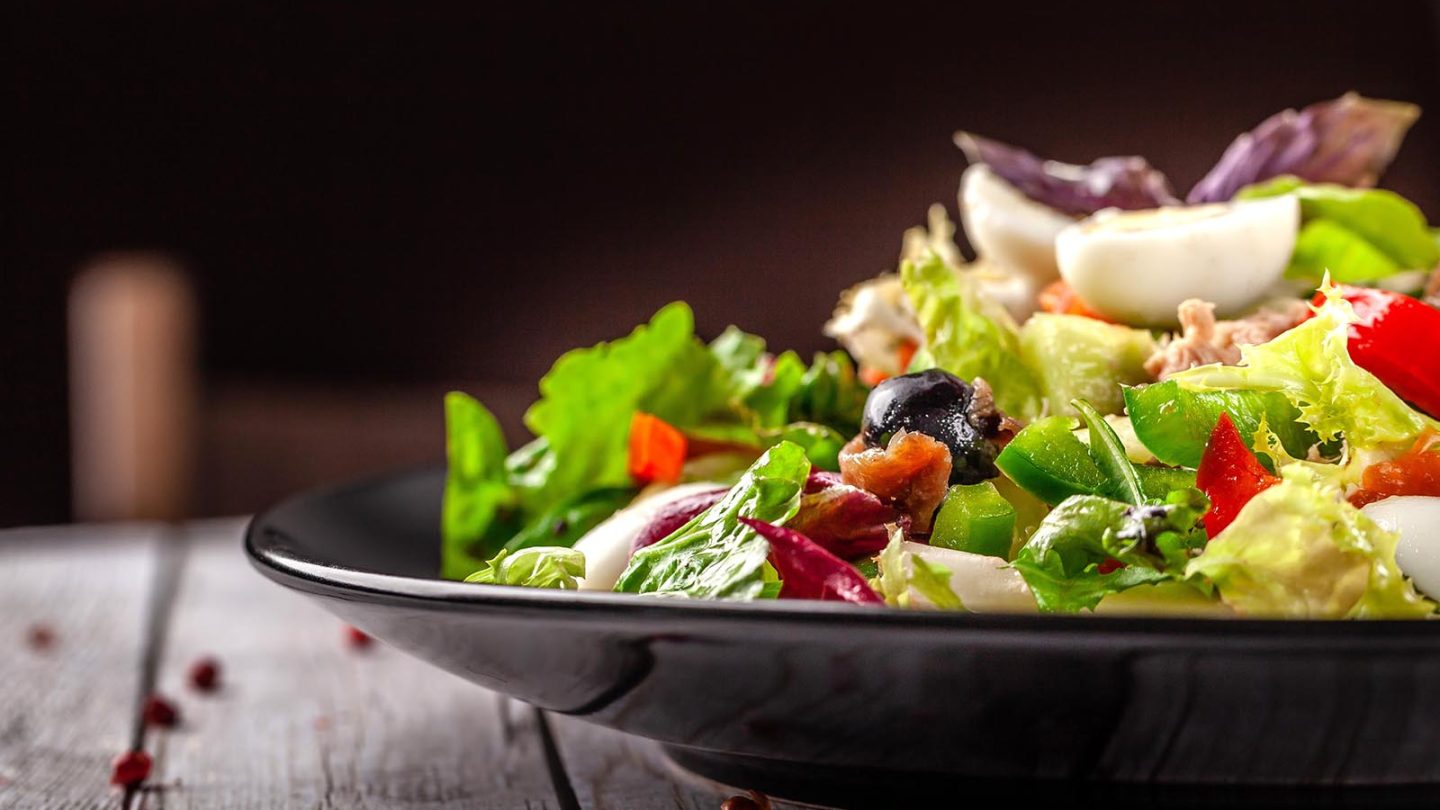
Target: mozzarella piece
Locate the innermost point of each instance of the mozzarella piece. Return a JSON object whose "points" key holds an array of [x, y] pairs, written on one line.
{"points": [[607, 546], [1008, 228], [1136, 267], [1416, 518]]}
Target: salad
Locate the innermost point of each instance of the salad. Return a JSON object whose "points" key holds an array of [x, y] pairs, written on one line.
{"points": [[1128, 402]]}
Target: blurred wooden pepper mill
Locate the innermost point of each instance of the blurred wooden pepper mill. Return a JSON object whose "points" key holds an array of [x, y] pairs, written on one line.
{"points": [[132, 388]]}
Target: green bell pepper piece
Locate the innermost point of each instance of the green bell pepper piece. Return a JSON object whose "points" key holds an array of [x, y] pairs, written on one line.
{"points": [[975, 518], [1175, 423], [1047, 460]]}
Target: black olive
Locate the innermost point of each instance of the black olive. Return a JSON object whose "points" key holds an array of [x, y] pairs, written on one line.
{"points": [[938, 404]]}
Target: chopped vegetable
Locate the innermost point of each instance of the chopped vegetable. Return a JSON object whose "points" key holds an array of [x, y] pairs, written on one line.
{"points": [[715, 555], [846, 521], [1062, 561], [1397, 338], [1175, 423], [1311, 366], [808, 571], [975, 518], [1078, 357], [1047, 460], [476, 487], [969, 336], [657, 450], [1415, 472], [1349, 140], [904, 575], [1297, 550], [1229, 475], [673, 515], [534, 567]]}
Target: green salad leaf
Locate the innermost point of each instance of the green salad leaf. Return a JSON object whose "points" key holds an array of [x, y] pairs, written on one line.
{"points": [[477, 492], [715, 555], [590, 395], [1354, 234], [1299, 550], [1061, 562], [968, 335], [534, 567], [1311, 366], [1110, 456]]}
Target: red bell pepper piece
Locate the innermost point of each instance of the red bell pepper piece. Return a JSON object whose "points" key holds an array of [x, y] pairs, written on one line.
{"points": [[657, 450], [1397, 338], [809, 571], [1230, 475]]}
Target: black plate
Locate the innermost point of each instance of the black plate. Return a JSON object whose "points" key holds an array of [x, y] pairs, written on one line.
{"points": [[831, 700]]}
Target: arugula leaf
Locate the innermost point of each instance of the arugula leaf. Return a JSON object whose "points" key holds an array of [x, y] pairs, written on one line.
{"points": [[1298, 550], [968, 335], [1061, 560], [1354, 234], [715, 555], [476, 490], [534, 567]]}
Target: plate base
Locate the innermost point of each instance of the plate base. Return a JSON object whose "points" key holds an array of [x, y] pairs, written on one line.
{"points": [[877, 789]]}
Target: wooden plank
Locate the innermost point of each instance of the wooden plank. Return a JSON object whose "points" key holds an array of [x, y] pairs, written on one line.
{"points": [[66, 711], [303, 719], [609, 770]]}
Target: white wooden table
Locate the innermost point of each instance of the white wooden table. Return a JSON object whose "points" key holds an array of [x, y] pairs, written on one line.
{"points": [[303, 717]]}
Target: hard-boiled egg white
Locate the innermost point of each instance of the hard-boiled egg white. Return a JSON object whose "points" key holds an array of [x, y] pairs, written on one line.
{"points": [[1007, 228], [1136, 267], [1416, 518]]}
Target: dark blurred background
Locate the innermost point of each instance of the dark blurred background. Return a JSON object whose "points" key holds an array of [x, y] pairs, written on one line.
{"points": [[376, 202]]}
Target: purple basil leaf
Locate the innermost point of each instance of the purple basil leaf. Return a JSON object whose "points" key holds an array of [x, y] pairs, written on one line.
{"points": [[808, 571], [847, 521], [1110, 182], [1349, 141], [673, 515]]}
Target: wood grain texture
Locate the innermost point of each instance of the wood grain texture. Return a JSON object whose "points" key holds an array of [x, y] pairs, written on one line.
{"points": [[65, 711], [303, 719], [610, 770]]}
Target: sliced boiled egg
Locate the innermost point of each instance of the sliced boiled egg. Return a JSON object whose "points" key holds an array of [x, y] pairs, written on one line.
{"points": [[1416, 518], [1007, 228], [1136, 267]]}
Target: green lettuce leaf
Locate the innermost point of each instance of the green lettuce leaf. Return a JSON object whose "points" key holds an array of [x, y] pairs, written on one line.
{"points": [[590, 395], [1061, 560], [715, 555], [968, 335], [477, 494], [534, 567], [1298, 550], [1355, 234], [1311, 366]]}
